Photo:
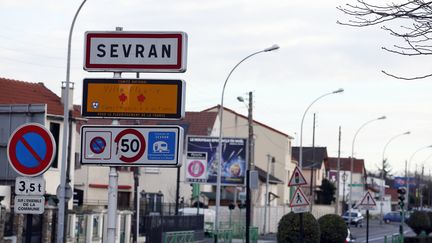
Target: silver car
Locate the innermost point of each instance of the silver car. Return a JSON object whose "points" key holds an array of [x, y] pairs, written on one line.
{"points": [[356, 218]]}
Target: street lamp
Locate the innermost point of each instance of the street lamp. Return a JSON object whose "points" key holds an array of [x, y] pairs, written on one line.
{"points": [[301, 125], [219, 166], [266, 202], [408, 168], [382, 172], [352, 165], [62, 191]]}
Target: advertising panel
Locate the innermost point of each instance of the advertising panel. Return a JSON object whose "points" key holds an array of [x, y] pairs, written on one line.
{"points": [[401, 182], [234, 152]]}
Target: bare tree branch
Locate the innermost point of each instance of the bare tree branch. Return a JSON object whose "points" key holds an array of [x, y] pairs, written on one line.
{"points": [[405, 78], [415, 31]]}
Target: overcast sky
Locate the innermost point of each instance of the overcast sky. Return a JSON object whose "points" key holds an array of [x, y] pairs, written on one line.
{"points": [[316, 56]]}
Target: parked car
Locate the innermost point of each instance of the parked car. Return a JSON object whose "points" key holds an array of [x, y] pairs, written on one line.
{"points": [[356, 218], [394, 216], [350, 238]]}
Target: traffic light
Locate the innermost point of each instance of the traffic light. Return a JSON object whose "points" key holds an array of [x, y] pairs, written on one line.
{"points": [[401, 191]]}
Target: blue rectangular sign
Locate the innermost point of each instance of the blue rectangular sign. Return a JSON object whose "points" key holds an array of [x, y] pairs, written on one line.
{"points": [[161, 145], [401, 182]]}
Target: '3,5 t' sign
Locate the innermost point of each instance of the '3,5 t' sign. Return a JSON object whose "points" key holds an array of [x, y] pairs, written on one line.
{"points": [[29, 186]]}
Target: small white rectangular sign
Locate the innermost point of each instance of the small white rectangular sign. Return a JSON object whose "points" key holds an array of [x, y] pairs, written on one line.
{"points": [[29, 204], [132, 145], [135, 51], [302, 209], [30, 186]]}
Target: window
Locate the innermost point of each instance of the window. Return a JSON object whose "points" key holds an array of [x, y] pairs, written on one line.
{"points": [[55, 131], [123, 200], [96, 224]]}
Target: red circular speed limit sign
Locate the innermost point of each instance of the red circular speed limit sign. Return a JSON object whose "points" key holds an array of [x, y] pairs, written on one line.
{"points": [[130, 145]]}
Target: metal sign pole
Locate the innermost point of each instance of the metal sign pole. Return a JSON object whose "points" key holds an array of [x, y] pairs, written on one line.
{"points": [[29, 223], [112, 189], [301, 228], [367, 226]]}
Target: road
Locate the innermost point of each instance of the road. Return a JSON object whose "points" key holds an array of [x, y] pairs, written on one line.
{"points": [[378, 231]]}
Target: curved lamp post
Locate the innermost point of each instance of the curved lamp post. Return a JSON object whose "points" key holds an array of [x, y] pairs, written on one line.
{"points": [[219, 165], [62, 200], [408, 168], [352, 165], [301, 125], [382, 172]]}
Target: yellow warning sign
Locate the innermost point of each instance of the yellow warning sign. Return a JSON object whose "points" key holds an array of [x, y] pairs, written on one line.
{"points": [[133, 98]]}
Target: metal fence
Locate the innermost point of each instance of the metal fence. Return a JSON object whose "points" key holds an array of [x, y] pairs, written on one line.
{"points": [[154, 226]]}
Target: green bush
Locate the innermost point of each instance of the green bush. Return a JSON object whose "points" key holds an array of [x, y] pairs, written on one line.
{"points": [[333, 229], [429, 230], [419, 221], [289, 228]]}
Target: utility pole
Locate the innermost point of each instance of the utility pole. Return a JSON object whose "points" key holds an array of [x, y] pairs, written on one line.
{"points": [[251, 167], [429, 189], [337, 175], [421, 188], [407, 184], [313, 163]]}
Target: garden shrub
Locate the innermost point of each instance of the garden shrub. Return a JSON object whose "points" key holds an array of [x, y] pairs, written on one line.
{"points": [[289, 228], [333, 229], [419, 221]]}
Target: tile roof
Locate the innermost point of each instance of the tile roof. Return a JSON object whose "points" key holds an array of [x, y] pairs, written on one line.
{"points": [[345, 164], [194, 123], [393, 193], [262, 175], [20, 92], [312, 156], [245, 117]]}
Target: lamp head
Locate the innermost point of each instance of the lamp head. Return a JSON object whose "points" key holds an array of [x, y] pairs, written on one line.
{"points": [[381, 118], [338, 91], [272, 48], [239, 98], [406, 133]]}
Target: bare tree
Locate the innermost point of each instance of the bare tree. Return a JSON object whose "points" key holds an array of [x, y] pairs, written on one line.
{"points": [[414, 20]]}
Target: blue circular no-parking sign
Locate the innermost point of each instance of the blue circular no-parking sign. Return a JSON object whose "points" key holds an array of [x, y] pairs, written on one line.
{"points": [[31, 149]]}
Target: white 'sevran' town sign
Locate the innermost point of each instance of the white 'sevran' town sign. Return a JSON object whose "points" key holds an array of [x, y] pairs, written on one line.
{"points": [[126, 51]]}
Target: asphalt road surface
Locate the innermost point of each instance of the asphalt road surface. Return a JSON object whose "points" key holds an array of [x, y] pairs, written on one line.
{"points": [[377, 231]]}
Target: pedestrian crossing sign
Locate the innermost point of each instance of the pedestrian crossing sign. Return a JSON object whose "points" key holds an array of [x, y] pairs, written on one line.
{"points": [[297, 178], [299, 199]]}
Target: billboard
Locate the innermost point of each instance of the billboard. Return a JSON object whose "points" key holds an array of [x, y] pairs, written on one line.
{"points": [[234, 151], [400, 181]]}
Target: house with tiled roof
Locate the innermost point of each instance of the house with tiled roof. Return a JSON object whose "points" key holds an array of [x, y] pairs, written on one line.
{"points": [[21, 98], [313, 169], [358, 176], [268, 142]]}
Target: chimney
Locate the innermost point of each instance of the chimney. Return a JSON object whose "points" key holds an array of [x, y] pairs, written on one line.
{"points": [[70, 95]]}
